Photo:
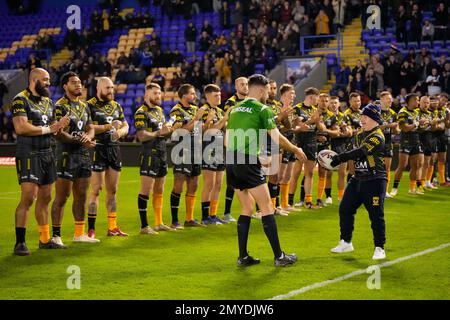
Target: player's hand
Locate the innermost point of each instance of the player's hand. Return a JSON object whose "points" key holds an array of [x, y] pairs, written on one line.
{"points": [[165, 130], [285, 112], [315, 116], [200, 113], [89, 144], [211, 115], [321, 138], [115, 136], [117, 124], [83, 138], [335, 161], [61, 124], [423, 122], [300, 155]]}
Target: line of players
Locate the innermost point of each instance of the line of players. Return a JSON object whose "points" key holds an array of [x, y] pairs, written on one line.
{"points": [[314, 124]]}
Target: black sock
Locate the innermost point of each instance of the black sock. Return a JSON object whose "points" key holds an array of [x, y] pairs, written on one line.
{"points": [[142, 205], [270, 228], [328, 192], [57, 231], [243, 226], [291, 199], [174, 204], [277, 196], [418, 183], [91, 219], [349, 175], [396, 182], [205, 209], [273, 190], [228, 199], [20, 235], [302, 190]]}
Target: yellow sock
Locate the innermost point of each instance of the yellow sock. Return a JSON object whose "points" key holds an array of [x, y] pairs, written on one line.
{"points": [[213, 208], [190, 204], [321, 187], [284, 192], [389, 179], [157, 207], [308, 198], [430, 173], [112, 220], [274, 202], [422, 182], [44, 233], [79, 228], [340, 194], [441, 172], [412, 184]]}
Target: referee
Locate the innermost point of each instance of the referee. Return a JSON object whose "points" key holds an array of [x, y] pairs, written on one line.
{"points": [[248, 118], [368, 185]]}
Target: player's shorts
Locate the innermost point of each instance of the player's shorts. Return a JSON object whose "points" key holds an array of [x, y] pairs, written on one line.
{"points": [[107, 157], [245, 176], [310, 149], [388, 151], [188, 167], [441, 143], [339, 148], [213, 162], [410, 148], [72, 166], [36, 167], [427, 143], [288, 157], [153, 165]]}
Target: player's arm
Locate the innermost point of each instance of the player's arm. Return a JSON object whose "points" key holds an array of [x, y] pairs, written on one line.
{"points": [[369, 146], [333, 132], [403, 125], [222, 122], [24, 128], [62, 135], [191, 124]]}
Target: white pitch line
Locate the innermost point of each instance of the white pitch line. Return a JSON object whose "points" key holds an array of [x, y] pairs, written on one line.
{"points": [[355, 273]]}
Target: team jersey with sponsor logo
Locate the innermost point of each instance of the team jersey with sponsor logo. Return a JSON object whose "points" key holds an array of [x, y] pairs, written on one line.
{"points": [[151, 119], [104, 112], [80, 118], [371, 166], [304, 113], [406, 116], [231, 102], [341, 119], [39, 112], [330, 121], [354, 118], [388, 116], [244, 124]]}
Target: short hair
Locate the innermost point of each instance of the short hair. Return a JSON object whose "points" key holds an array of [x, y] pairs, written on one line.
{"points": [[311, 91], [354, 95], [271, 81], [66, 76], [326, 95], [334, 98], [410, 96], [257, 80], [285, 87], [444, 94], [184, 89], [384, 93], [211, 88], [152, 85]]}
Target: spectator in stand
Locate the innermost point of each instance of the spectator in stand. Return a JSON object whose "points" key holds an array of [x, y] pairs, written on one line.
{"points": [[339, 14], [441, 16], [237, 15], [123, 59], [7, 127], [71, 39], [401, 98], [104, 67], [322, 23], [3, 90], [286, 13], [248, 68], [359, 68], [298, 11], [391, 74], [190, 34], [159, 79], [424, 69], [407, 76], [205, 42], [105, 21], [342, 73], [416, 21], [285, 45], [225, 15], [445, 78], [33, 62], [137, 75], [378, 69], [427, 31], [401, 19], [122, 74], [411, 57], [146, 61], [371, 84], [441, 63], [433, 82], [176, 81], [421, 57], [208, 28], [357, 84], [134, 57]]}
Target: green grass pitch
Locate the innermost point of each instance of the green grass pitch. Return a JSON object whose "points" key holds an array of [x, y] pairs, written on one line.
{"points": [[200, 263]]}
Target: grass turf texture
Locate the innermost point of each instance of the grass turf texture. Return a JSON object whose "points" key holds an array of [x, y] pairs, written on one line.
{"points": [[200, 263]]}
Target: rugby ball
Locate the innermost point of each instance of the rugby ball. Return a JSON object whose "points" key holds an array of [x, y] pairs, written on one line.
{"points": [[325, 157]]}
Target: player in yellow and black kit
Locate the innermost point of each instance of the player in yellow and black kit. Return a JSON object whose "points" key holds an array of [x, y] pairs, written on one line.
{"points": [[213, 163], [328, 130], [186, 116], [32, 112], [389, 126], [353, 114], [110, 125], [339, 145], [152, 129], [241, 85], [410, 147], [426, 140], [441, 115], [306, 123], [73, 161]]}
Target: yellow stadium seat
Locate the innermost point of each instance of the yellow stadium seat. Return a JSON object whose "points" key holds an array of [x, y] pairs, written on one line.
{"points": [[121, 48], [123, 37]]}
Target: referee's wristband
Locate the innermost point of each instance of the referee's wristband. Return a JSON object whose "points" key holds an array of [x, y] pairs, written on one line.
{"points": [[45, 130]]}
